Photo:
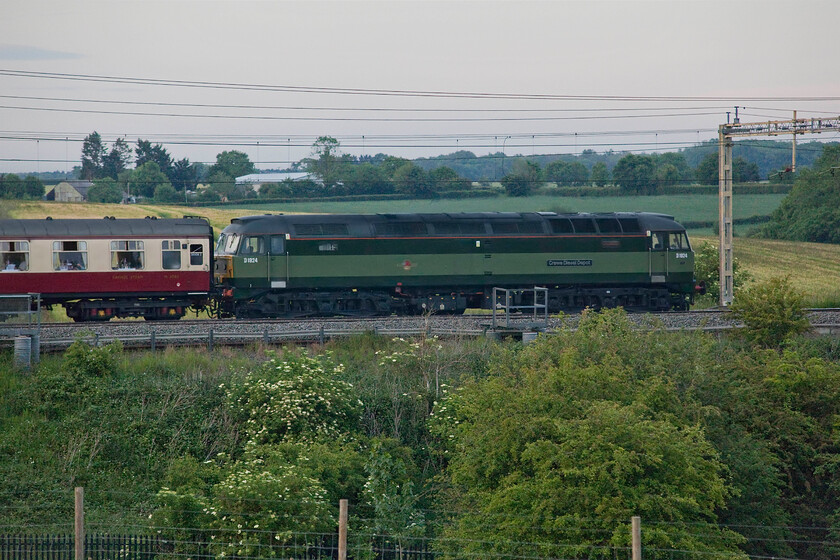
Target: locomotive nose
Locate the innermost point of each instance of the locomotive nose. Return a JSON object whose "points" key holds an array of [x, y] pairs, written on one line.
{"points": [[223, 268]]}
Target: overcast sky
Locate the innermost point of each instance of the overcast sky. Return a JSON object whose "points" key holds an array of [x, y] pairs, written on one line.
{"points": [[405, 78]]}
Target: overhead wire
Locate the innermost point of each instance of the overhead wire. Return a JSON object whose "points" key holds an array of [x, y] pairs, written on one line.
{"points": [[393, 92]]}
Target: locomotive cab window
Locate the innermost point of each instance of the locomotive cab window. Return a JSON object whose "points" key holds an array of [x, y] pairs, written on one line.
{"points": [[127, 255], [278, 245], [220, 244], [252, 245], [171, 255], [658, 241], [228, 245], [196, 254], [677, 241], [70, 255], [14, 255]]}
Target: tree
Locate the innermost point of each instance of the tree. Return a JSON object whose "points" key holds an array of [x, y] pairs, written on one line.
{"points": [[275, 190], [390, 491], [222, 184], [678, 167], [446, 179], [707, 270], [105, 190], [33, 187], [146, 178], [635, 174], [413, 181], [707, 170], [326, 163], [156, 153], [184, 175], [232, 163], [11, 186], [744, 171], [667, 175], [571, 174], [117, 159], [600, 174], [167, 193], [591, 431], [93, 155], [772, 312], [366, 178], [811, 211], [523, 178]]}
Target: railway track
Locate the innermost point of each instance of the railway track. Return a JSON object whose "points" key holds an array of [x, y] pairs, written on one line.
{"points": [[56, 336]]}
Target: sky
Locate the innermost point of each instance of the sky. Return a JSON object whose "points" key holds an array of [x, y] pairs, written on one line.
{"points": [[411, 79]]}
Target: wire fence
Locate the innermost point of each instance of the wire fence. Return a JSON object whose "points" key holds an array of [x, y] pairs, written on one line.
{"points": [[147, 547]]}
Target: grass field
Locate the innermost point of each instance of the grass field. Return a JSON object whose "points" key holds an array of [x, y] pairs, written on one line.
{"points": [[683, 207], [38, 209], [814, 268]]}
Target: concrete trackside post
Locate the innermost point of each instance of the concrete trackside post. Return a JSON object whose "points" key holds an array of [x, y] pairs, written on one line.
{"points": [[342, 530], [636, 531], [79, 524]]}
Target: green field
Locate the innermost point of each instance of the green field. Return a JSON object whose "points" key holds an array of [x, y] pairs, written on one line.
{"points": [[689, 207]]}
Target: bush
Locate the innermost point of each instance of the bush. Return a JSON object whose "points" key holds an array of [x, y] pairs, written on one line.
{"points": [[772, 312]]}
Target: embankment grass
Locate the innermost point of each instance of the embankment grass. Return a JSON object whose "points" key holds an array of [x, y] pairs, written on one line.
{"points": [[813, 268]]}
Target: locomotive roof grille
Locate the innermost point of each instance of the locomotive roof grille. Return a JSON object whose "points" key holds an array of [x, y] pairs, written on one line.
{"points": [[364, 225]]}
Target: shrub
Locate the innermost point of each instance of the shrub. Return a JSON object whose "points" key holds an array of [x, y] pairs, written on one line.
{"points": [[772, 312]]}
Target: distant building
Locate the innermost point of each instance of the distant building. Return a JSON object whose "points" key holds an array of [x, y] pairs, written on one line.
{"points": [[69, 191], [257, 180]]}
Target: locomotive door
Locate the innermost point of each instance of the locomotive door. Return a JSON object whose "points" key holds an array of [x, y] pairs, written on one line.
{"points": [[658, 257], [278, 262]]}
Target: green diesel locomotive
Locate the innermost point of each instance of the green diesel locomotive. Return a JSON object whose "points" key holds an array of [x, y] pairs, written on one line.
{"points": [[379, 264]]}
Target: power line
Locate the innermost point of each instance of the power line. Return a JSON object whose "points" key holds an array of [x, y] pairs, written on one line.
{"points": [[395, 92], [350, 119], [361, 109]]}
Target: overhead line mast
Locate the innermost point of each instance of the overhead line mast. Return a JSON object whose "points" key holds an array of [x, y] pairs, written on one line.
{"points": [[726, 132]]}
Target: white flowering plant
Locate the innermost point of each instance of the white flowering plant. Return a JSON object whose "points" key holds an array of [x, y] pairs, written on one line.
{"points": [[298, 398]]}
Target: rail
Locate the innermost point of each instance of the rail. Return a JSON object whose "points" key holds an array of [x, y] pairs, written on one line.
{"points": [[213, 337]]}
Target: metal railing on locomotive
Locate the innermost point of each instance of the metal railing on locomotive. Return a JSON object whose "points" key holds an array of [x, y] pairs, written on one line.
{"points": [[20, 317], [539, 305]]}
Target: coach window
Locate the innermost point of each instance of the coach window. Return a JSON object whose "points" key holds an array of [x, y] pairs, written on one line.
{"points": [[252, 245], [70, 255], [14, 255], [196, 254], [127, 255], [171, 255]]}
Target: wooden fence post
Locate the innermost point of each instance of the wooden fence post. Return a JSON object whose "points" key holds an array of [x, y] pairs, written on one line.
{"points": [[79, 523], [636, 531], [342, 530]]}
